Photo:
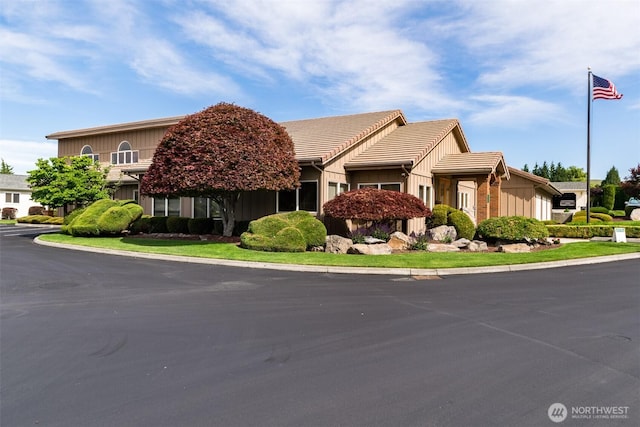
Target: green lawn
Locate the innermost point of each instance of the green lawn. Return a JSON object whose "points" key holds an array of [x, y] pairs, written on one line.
{"points": [[7, 221], [404, 260]]}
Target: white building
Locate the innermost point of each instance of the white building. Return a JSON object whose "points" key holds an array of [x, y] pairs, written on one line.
{"points": [[16, 193]]}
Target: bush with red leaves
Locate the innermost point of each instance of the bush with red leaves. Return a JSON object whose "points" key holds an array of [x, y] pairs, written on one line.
{"points": [[371, 204]]}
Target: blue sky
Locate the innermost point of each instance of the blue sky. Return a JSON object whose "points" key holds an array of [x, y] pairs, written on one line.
{"points": [[513, 72]]}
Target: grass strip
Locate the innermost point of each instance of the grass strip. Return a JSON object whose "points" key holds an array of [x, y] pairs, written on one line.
{"points": [[424, 260]]}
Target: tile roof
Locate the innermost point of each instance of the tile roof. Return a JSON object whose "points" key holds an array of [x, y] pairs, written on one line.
{"points": [[406, 145], [122, 127], [472, 163], [324, 138]]}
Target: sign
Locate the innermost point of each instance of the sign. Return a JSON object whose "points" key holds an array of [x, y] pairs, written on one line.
{"points": [[619, 235]]}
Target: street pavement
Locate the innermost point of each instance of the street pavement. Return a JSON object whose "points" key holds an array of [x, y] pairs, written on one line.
{"points": [[89, 339]]}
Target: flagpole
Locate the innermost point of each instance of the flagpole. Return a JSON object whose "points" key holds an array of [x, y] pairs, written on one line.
{"points": [[589, 78]]}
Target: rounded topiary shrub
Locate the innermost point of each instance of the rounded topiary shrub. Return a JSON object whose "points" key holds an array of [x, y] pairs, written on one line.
{"points": [[86, 223], [598, 209], [114, 220], [158, 224], [178, 224], [463, 224], [581, 216], [440, 215], [285, 232], [141, 225], [512, 228]]}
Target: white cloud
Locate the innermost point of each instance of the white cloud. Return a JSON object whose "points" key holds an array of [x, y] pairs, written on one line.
{"points": [[514, 111], [22, 155]]}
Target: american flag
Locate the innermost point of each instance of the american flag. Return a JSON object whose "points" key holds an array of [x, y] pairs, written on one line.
{"points": [[604, 89]]}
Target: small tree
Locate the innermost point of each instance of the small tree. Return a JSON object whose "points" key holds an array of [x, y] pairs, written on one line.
{"points": [[608, 196], [61, 181], [5, 169], [378, 206], [219, 153], [612, 178], [631, 184]]}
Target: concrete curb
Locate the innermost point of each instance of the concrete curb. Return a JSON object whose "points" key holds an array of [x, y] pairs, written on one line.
{"points": [[350, 270]]}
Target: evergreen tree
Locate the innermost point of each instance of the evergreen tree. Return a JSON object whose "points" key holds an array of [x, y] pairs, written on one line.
{"points": [[525, 168], [5, 169], [612, 178]]}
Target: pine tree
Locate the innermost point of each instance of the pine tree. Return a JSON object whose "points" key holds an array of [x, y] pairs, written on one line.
{"points": [[5, 169]]}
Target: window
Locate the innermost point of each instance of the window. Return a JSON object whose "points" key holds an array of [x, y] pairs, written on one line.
{"points": [[393, 186], [87, 151], [169, 206], [304, 198], [136, 196], [336, 188], [463, 200], [205, 208], [124, 155], [424, 194], [12, 198]]}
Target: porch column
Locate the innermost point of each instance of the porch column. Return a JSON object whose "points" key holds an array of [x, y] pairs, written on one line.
{"points": [[484, 197], [496, 186]]}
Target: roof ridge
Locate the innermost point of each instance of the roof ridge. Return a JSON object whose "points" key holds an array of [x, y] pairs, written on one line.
{"points": [[434, 141]]}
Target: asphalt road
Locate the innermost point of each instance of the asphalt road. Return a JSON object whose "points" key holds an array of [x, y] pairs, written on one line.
{"points": [[96, 340]]}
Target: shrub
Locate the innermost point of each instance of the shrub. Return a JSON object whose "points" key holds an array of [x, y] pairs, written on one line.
{"points": [[512, 228], [54, 220], [34, 219], [200, 226], [589, 231], [9, 213], [371, 204], [608, 197], [239, 227], [158, 224], [86, 223], [73, 215], [582, 216], [36, 210], [440, 215], [141, 225], [420, 242], [549, 222], [114, 220], [285, 232], [463, 224], [178, 224], [598, 209]]}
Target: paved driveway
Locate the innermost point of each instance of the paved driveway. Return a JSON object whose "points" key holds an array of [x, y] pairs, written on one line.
{"points": [[95, 340]]}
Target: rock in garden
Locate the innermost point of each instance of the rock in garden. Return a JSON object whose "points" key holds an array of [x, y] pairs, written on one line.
{"points": [[478, 246], [635, 215], [442, 233], [337, 244], [514, 248], [400, 241], [442, 247], [362, 249], [461, 243], [372, 240]]}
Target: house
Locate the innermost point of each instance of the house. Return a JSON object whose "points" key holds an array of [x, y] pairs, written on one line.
{"points": [[528, 195], [16, 193], [431, 160]]}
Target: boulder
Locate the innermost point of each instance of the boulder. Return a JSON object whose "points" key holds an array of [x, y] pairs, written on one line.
{"points": [[362, 249], [478, 246], [514, 248], [372, 240], [442, 247], [442, 233], [635, 215], [337, 244], [461, 243], [400, 241]]}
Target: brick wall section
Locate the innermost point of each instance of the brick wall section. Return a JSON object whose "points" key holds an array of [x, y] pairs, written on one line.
{"points": [[495, 191], [484, 197]]}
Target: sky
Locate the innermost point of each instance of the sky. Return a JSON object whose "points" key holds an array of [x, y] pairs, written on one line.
{"points": [[515, 73]]}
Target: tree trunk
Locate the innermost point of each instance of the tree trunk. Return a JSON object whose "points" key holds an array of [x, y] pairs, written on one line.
{"points": [[227, 203]]}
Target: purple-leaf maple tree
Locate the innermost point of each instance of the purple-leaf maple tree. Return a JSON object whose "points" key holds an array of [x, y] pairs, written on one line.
{"points": [[219, 153], [371, 204]]}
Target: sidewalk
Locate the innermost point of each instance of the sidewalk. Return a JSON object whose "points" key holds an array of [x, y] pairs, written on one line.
{"points": [[354, 270]]}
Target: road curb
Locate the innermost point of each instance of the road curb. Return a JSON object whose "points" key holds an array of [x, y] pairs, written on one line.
{"points": [[350, 270]]}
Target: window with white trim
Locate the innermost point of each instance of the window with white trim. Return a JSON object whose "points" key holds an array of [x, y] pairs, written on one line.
{"points": [[124, 155], [463, 200], [303, 198], [393, 186], [336, 188], [166, 206], [87, 151], [204, 207], [424, 194]]}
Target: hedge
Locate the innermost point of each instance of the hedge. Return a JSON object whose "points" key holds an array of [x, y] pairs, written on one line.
{"points": [[200, 225], [582, 216], [178, 224], [589, 231], [284, 232], [512, 228]]}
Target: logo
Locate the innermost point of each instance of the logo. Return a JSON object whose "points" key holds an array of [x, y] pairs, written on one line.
{"points": [[557, 412]]}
